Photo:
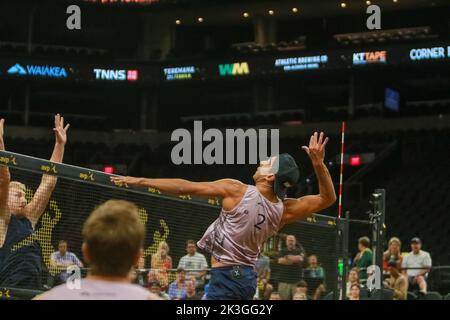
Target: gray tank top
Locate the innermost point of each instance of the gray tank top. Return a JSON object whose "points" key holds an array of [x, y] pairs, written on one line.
{"points": [[236, 237]]}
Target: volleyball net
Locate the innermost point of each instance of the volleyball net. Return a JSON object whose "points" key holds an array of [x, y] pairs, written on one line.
{"points": [[168, 219]]}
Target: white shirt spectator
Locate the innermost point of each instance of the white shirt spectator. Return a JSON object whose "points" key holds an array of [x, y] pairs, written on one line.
{"points": [[68, 259], [196, 262], [420, 260]]}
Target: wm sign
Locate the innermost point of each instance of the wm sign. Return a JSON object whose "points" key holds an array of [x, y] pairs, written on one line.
{"points": [[234, 69]]}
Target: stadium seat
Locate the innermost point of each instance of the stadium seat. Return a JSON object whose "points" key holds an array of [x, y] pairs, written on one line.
{"points": [[432, 295], [411, 296]]}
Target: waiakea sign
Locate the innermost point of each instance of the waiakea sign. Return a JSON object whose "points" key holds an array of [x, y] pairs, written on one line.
{"points": [[38, 71]]}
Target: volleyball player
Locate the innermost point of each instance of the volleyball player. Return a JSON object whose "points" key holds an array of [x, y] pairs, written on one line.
{"points": [[250, 215], [21, 267]]}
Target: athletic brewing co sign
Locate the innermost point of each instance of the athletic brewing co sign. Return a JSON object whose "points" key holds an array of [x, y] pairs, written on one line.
{"points": [[38, 71]]}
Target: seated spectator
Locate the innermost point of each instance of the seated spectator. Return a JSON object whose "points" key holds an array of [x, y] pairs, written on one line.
{"points": [[364, 258], [299, 296], [416, 266], [155, 288], [262, 269], [397, 281], [160, 263], [302, 287], [177, 289], [353, 278], [113, 237], [275, 296], [151, 276], [355, 290], [315, 277], [393, 252], [62, 259], [194, 261], [191, 290], [290, 267], [314, 270]]}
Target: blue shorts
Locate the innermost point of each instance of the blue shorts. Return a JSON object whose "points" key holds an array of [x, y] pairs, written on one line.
{"points": [[232, 283]]}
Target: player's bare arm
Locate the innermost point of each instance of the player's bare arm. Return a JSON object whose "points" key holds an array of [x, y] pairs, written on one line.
{"points": [[4, 177], [304, 207], [37, 205], [230, 190]]}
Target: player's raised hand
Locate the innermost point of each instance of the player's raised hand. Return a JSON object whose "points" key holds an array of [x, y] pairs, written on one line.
{"points": [[316, 148], [60, 130]]}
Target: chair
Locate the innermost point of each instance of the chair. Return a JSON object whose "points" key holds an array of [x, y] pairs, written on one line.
{"points": [[382, 294], [411, 296], [432, 295]]}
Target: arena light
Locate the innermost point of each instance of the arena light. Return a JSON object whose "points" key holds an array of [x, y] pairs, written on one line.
{"points": [[355, 161], [200, 19], [343, 5], [178, 21], [245, 14], [271, 12], [294, 10], [368, 3]]}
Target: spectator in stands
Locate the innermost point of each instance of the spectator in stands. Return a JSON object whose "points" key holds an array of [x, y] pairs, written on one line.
{"points": [[155, 288], [393, 252], [151, 276], [302, 287], [290, 269], [299, 296], [194, 261], [191, 290], [397, 282], [177, 289], [416, 266], [315, 277], [62, 259], [275, 296], [113, 237], [262, 269], [353, 278], [355, 291], [161, 262], [364, 257], [314, 270]]}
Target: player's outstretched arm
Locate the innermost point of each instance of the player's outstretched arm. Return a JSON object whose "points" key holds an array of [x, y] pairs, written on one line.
{"points": [[37, 205], [220, 188]]}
